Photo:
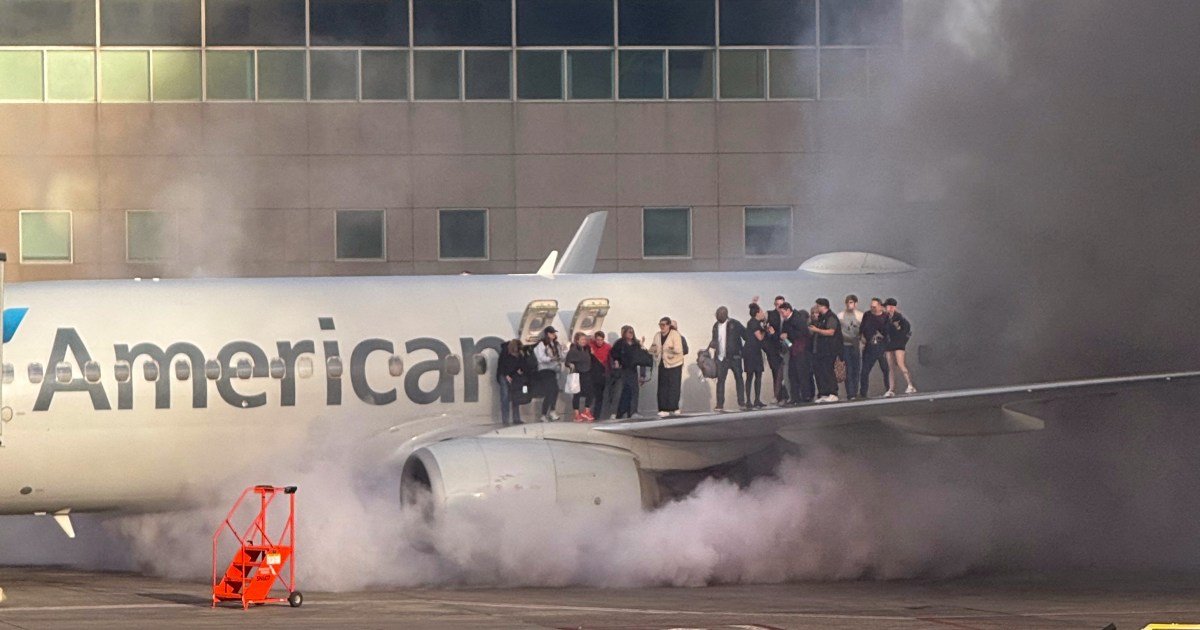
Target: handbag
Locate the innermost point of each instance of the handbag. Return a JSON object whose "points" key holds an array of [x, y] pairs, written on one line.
{"points": [[839, 369], [572, 386]]}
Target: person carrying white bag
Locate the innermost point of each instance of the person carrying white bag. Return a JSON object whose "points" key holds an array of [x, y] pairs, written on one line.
{"points": [[579, 365]]}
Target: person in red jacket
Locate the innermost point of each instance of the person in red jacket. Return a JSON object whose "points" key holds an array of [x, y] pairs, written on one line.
{"points": [[601, 372]]}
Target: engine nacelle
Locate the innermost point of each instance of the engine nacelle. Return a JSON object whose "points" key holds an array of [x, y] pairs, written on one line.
{"points": [[541, 471]]}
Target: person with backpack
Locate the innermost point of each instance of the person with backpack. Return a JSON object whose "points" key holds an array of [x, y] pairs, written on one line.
{"points": [[510, 374], [629, 364], [669, 351], [549, 363], [899, 331]]}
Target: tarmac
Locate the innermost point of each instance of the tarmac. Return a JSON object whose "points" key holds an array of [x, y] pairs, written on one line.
{"points": [[42, 597]]}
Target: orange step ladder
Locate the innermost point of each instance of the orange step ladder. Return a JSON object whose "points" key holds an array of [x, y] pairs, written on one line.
{"points": [[257, 566]]}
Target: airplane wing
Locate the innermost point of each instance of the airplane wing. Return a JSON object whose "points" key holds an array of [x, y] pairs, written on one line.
{"points": [[984, 411]]}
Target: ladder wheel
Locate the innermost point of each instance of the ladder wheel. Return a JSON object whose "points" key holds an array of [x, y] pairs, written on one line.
{"points": [[295, 598]]}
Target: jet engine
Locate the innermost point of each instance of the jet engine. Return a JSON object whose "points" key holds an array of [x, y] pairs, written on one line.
{"points": [[568, 474]]}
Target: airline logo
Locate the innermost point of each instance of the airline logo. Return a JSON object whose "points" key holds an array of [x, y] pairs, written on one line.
{"points": [[12, 319]]}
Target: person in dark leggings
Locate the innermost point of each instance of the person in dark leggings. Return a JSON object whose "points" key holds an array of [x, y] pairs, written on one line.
{"points": [[752, 355], [579, 362], [627, 375], [549, 360], [874, 331]]}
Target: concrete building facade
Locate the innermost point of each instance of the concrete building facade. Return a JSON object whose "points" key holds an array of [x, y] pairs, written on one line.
{"points": [[117, 183]]}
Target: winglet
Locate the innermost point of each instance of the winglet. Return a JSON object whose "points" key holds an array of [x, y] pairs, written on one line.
{"points": [[580, 256], [547, 268], [63, 518]]}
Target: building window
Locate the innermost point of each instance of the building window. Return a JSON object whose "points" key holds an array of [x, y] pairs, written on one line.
{"points": [[844, 73], [768, 231], [793, 73], [487, 74], [359, 22], [148, 235], [564, 23], [70, 75], [691, 73], [861, 22], [334, 75], [462, 23], [589, 74], [641, 74], [436, 75], [157, 23], [45, 236], [125, 75], [768, 22], [743, 73], [360, 234], [384, 75], [254, 22], [230, 75], [666, 22], [666, 232], [47, 22], [281, 75], [539, 75], [176, 75], [20, 75], [462, 234]]}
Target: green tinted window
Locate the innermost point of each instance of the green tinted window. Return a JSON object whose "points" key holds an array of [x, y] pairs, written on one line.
{"points": [[20, 75], [124, 75], [666, 232], [462, 234], [487, 74], [435, 75], [281, 75], [360, 234], [45, 236], [384, 75], [793, 73], [589, 74], [691, 73], [176, 75], [641, 74], [768, 231], [47, 22], [743, 73], [230, 75], [70, 75], [539, 74], [334, 75], [148, 235]]}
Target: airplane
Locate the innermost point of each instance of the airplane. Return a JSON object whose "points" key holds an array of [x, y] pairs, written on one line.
{"points": [[135, 396]]}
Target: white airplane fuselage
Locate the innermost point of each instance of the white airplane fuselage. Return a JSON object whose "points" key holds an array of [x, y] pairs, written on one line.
{"points": [[143, 444]]}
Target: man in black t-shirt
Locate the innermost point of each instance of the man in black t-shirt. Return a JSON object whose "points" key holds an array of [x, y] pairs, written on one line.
{"points": [[874, 332], [827, 345]]}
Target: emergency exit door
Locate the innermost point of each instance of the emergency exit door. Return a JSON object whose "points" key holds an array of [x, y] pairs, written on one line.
{"points": [[537, 316], [589, 316]]}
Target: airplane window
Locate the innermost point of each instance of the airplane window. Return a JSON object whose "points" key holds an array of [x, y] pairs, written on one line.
{"points": [[9, 372], [150, 371], [277, 368], [63, 372], [35, 373], [91, 372], [183, 370], [333, 367], [212, 369], [480, 364], [244, 369], [304, 367], [395, 365], [453, 365], [122, 371]]}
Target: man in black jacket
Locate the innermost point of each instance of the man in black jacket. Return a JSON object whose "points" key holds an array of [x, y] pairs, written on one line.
{"points": [[874, 332], [795, 338], [827, 345], [775, 351], [728, 335]]}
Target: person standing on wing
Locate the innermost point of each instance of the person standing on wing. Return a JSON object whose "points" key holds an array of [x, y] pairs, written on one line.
{"points": [[667, 350], [899, 332], [728, 337]]}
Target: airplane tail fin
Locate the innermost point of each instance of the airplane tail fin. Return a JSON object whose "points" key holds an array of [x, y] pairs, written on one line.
{"points": [[580, 256]]}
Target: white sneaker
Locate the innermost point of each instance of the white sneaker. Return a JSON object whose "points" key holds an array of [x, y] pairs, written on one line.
{"points": [[889, 394], [832, 398], [910, 390], [663, 414], [677, 412], [553, 416]]}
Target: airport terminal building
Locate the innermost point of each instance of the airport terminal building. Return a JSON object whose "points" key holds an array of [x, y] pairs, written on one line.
{"points": [[174, 138]]}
